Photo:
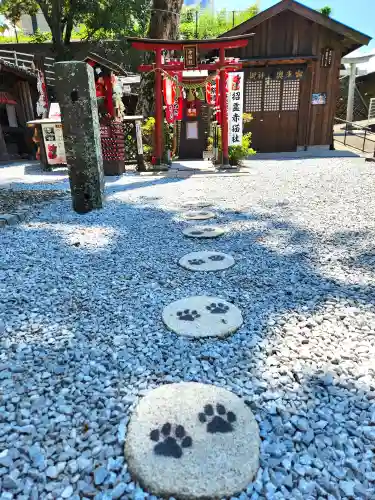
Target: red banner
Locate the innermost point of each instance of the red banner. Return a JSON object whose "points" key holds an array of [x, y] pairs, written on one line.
{"points": [[173, 110], [211, 89]]}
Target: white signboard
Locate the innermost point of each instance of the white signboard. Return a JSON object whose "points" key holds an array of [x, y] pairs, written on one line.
{"points": [[235, 108], [138, 134], [54, 111], [54, 143], [191, 130]]}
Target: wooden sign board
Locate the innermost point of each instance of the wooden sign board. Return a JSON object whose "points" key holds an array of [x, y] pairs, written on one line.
{"points": [[190, 56]]}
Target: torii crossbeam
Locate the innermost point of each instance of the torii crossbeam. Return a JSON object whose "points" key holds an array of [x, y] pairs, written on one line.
{"points": [[223, 65]]}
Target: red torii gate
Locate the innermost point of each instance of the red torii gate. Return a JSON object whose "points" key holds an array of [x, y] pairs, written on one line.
{"points": [[222, 65]]}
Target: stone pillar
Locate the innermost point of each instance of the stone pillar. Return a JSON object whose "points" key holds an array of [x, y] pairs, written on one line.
{"points": [[351, 90], [75, 89]]}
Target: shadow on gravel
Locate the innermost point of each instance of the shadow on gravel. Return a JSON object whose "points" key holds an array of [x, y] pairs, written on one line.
{"points": [[93, 320], [277, 267]]}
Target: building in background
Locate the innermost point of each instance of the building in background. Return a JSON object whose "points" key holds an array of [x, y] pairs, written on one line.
{"points": [[291, 68], [202, 4], [30, 24]]}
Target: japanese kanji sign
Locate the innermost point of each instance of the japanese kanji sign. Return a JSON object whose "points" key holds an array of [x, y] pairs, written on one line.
{"points": [[190, 56], [235, 108], [278, 74]]}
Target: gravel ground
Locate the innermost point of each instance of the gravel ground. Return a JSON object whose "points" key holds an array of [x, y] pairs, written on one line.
{"points": [[82, 336], [12, 200]]}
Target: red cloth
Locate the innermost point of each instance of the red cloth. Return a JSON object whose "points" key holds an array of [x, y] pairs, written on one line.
{"points": [[109, 99]]}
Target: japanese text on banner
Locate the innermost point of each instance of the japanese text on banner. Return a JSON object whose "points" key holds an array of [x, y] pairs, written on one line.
{"points": [[235, 107]]}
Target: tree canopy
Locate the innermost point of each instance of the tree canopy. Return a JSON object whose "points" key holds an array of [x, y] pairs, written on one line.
{"points": [[99, 17], [209, 24]]}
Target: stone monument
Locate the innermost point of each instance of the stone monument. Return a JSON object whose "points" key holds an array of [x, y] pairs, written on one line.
{"points": [[75, 89]]}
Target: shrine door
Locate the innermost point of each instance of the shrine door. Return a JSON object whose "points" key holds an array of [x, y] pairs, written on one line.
{"points": [[274, 104]]}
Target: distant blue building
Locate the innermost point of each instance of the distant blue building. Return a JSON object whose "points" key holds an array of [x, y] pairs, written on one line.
{"points": [[201, 3]]}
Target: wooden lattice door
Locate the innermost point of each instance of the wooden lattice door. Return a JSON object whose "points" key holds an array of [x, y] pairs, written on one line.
{"points": [[273, 99]]}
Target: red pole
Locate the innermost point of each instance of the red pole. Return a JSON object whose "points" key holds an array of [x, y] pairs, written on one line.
{"points": [[158, 109], [224, 110]]}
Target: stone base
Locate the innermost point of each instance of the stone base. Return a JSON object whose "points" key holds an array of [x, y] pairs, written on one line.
{"points": [[192, 441], [160, 168], [113, 167], [231, 168]]}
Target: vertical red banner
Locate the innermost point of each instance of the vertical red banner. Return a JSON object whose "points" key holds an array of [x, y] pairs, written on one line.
{"points": [[173, 103]]}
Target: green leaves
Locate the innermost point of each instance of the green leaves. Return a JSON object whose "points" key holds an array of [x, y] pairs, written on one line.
{"points": [[13, 9], [212, 24], [326, 11]]}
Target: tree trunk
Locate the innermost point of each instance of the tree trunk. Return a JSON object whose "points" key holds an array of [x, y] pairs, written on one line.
{"points": [[53, 13], [164, 24]]}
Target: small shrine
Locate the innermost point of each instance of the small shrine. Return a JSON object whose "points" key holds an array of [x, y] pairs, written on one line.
{"points": [[195, 90], [115, 126]]}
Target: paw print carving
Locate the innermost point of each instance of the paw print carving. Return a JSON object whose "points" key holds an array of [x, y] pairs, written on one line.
{"points": [[218, 308], [218, 420], [170, 443], [188, 315], [196, 262], [216, 258]]}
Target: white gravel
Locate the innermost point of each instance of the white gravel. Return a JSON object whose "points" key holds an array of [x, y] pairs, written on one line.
{"points": [[81, 335]]}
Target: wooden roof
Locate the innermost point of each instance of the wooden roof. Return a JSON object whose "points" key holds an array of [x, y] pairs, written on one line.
{"points": [[356, 37], [20, 71], [118, 70]]}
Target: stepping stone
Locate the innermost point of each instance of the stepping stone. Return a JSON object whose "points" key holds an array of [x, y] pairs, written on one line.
{"points": [[203, 231], [196, 205], [199, 215], [202, 316], [192, 441], [206, 261]]}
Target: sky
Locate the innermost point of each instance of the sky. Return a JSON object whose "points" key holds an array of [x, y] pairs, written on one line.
{"points": [[358, 14]]}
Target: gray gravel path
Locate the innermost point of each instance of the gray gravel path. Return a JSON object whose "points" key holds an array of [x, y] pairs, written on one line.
{"points": [[81, 336]]}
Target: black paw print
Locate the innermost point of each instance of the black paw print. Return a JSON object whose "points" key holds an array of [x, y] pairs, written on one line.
{"points": [[196, 233], [216, 258], [218, 308], [196, 262], [221, 422], [188, 315], [171, 445]]}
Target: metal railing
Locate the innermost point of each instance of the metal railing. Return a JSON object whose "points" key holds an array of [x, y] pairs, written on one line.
{"points": [[354, 135], [371, 111]]}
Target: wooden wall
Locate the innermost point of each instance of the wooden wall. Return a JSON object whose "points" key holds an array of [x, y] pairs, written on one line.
{"points": [[290, 35]]}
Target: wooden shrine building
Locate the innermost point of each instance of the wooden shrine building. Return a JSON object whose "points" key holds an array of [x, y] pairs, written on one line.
{"points": [[18, 96], [291, 68]]}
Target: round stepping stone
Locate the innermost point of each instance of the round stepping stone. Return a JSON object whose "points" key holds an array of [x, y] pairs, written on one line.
{"points": [[203, 231], [206, 261], [197, 205], [192, 440], [202, 316], [199, 215]]}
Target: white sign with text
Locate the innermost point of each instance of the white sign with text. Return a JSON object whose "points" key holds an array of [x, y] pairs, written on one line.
{"points": [[235, 108]]}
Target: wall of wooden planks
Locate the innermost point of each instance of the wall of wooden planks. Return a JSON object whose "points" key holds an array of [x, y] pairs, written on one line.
{"points": [[286, 37]]}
